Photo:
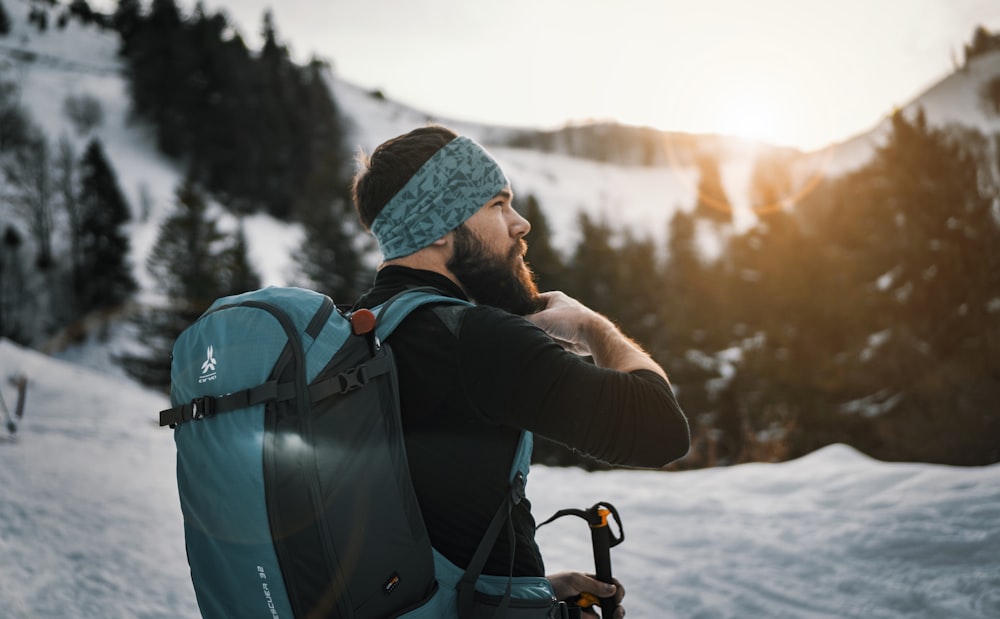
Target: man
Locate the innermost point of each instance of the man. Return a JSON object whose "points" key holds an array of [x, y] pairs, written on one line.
{"points": [[441, 209]]}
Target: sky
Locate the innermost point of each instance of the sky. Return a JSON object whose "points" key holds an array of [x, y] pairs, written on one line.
{"points": [[796, 72]]}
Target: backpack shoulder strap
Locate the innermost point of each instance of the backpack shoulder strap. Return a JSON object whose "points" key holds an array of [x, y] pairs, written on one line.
{"points": [[393, 311], [515, 494], [390, 315]]}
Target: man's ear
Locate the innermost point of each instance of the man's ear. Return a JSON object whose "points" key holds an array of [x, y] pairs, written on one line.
{"points": [[445, 240]]}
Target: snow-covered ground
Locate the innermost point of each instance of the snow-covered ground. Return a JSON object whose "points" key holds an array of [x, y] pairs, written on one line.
{"points": [[90, 525]]}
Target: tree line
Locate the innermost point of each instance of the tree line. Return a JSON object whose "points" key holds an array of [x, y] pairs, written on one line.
{"points": [[868, 313], [258, 131], [65, 251]]}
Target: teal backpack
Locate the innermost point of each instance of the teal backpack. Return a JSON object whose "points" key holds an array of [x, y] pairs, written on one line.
{"points": [[292, 471]]}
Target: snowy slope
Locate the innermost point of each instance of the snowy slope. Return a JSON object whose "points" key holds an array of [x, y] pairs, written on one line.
{"points": [[89, 519], [90, 525], [83, 61], [954, 100]]}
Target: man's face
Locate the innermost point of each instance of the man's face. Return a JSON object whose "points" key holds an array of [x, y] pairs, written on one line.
{"points": [[488, 258]]}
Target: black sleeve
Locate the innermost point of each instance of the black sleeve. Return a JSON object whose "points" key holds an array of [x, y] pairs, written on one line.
{"points": [[515, 374]]}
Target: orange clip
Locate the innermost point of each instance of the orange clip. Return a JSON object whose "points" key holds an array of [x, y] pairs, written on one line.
{"points": [[586, 600], [603, 512]]}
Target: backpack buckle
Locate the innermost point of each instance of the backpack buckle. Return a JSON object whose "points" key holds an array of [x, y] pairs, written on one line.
{"points": [[202, 407], [352, 379]]}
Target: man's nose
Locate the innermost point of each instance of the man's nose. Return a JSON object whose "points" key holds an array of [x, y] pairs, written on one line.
{"points": [[520, 226]]}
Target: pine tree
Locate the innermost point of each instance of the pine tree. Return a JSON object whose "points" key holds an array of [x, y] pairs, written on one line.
{"points": [[15, 126], [66, 182], [4, 20], [28, 171], [184, 260], [187, 263], [684, 272], [330, 258], [105, 275], [13, 300], [126, 21], [543, 258], [594, 276], [240, 273], [155, 51], [713, 203], [771, 184]]}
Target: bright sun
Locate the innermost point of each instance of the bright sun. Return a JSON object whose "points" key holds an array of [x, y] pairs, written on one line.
{"points": [[751, 115], [747, 92]]}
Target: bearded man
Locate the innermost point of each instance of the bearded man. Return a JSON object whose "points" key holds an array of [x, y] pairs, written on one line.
{"points": [[473, 381]]}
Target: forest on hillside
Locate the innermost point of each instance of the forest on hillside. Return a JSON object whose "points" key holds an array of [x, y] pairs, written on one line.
{"points": [[866, 311]]}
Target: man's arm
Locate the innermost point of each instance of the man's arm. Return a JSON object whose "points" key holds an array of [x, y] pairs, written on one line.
{"points": [[583, 331], [518, 374]]}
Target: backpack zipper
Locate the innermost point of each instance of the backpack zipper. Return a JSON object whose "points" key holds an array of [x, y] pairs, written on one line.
{"points": [[302, 410]]}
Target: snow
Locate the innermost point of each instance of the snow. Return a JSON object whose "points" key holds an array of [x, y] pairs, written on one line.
{"points": [[90, 524], [957, 99]]}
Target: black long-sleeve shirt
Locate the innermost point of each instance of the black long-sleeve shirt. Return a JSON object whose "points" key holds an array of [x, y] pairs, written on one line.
{"points": [[466, 398]]}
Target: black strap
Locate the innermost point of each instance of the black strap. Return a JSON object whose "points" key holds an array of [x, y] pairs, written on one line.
{"points": [[206, 406], [467, 584], [271, 391]]}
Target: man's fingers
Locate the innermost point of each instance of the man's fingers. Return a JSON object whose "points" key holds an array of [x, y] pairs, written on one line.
{"points": [[619, 591]]}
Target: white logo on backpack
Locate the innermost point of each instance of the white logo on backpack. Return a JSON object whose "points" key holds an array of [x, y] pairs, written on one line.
{"points": [[208, 367]]}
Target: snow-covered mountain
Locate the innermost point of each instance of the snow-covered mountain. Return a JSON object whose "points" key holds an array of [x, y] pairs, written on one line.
{"points": [[957, 99], [82, 60]]}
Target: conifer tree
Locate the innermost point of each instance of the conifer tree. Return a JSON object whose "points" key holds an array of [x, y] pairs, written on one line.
{"points": [[155, 52], [12, 293], [126, 21], [640, 286], [15, 126], [543, 258], [713, 203], [4, 20], [105, 278], [330, 258], [241, 274], [67, 185], [595, 269], [187, 264], [683, 275], [28, 171]]}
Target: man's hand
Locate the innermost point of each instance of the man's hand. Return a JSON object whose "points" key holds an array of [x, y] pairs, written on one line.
{"points": [[581, 330], [568, 584], [567, 321]]}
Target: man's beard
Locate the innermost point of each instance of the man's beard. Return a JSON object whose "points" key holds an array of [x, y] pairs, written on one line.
{"points": [[504, 282]]}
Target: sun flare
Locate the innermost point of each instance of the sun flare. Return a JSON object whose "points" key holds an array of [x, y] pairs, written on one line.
{"points": [[752, 115]]}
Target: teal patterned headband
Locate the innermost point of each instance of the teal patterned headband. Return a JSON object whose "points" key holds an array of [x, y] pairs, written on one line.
{"points": [[448, 189]]}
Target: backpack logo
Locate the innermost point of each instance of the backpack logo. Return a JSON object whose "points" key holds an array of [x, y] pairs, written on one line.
{"points": [[208, 367]]}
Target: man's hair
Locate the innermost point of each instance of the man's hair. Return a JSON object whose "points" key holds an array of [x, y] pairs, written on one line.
{"points": [[393, 163]]}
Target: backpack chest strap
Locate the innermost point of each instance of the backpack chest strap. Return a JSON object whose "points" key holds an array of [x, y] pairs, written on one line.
{"points": [[272, 391]]}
